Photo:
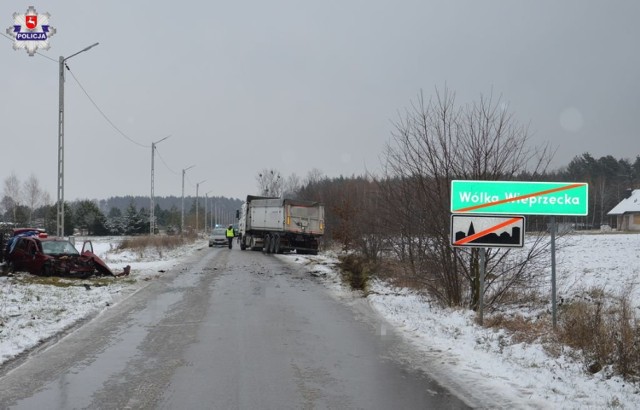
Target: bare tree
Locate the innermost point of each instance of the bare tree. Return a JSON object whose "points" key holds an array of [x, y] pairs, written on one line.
{"points": [[291, 186], [34, 195], [433, 143], [12, 194], [46, 198], [314, 176], [352, 218], [270, 183]]}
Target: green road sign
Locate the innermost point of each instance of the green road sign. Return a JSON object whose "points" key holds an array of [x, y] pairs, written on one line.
{"points": [[519, 197]]}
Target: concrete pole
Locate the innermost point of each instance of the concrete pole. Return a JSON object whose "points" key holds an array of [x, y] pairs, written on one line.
{"points": [[184, 171], [60, 207], [197, 202], [152, 219], [60, 210]]}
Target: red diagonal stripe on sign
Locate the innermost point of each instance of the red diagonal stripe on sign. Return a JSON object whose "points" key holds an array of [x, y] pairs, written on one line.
{"points": [[517, 198], [486, 231]]}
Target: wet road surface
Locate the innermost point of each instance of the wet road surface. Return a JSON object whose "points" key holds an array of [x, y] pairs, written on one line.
{"points": [[227, 330]]}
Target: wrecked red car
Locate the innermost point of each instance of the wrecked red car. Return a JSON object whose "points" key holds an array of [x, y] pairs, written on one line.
{"points": [[48, 256]]}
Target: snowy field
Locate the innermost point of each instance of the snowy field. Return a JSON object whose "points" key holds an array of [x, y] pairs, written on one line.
{"points": [[461, 354]]}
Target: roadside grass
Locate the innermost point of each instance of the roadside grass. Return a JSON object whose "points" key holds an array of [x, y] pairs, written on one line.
{"points": [[358, 270], [159, 242], [521, 328], [62, 282], [392, 271], [606, 329]]}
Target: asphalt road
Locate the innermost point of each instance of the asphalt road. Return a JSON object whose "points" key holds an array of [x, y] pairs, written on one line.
{"points": [[229, 329]]}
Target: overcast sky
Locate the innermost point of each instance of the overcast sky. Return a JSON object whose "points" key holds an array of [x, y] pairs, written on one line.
{"points": [[296, 85]]}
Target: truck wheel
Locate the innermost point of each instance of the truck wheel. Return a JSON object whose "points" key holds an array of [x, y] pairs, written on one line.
{"points": [[267, 243], [272, 244], [276, 246], [243, 246]]}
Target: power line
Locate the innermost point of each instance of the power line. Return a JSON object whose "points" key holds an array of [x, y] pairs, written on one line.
{"points": [[47, 57], [102, 113], [8, 37], [100, 110], [38, 53], [165, 164], [89, 97]]}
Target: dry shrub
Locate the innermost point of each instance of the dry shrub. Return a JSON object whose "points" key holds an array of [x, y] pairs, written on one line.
{"points": [[627, 340], [584, 326], [357, 270], [516, 298], [396, 274], [607, 333], [523, 330]]}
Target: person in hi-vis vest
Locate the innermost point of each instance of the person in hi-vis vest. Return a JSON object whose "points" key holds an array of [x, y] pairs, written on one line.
{"points": [[230, 235]]}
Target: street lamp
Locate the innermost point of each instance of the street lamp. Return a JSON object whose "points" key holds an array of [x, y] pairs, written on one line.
{"points": [[152, 220], [60, 214], [198, 202], [182, 219]]}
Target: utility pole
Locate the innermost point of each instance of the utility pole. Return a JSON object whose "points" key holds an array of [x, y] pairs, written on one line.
{"points": [[60, 210], [152, 219], [198, 202], [206, 204], [182, 219]]}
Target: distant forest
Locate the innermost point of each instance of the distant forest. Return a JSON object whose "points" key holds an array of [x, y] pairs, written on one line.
{"points": [[166, 203], [125, 215]]}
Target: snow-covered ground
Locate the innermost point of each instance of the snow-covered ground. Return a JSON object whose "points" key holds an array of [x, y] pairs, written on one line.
{"points": [[485, 360]]}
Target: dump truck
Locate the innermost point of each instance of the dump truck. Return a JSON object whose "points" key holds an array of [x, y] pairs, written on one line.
{"points": [[278, 225]]}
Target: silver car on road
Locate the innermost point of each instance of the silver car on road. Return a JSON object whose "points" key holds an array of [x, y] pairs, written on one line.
{"points": [[218, 237]]}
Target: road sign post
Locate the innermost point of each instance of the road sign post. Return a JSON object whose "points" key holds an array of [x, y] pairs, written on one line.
{"points": [[483, 263], [553, 272], [521, 197], [483, 231]]}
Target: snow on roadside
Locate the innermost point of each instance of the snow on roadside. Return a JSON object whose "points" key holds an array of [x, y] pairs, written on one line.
{"points": [[31, 313], [487, 360]]}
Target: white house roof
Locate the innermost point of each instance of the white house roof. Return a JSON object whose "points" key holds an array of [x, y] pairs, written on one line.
{"points": [[631, 204]]}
